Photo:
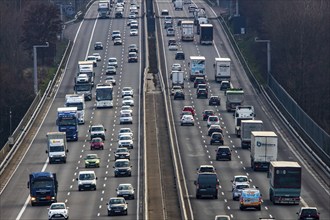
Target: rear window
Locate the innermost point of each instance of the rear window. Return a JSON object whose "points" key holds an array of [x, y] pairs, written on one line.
{"points": [[223, 150], [164, 12], [207, 179]]}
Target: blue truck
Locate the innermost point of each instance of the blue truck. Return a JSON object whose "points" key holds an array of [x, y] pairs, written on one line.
{"points": [[43, 188], [67, 121]]}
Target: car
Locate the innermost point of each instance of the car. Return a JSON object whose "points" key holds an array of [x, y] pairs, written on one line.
{"points": [[222, 217], [213, 120], [214, 128], [58, 210], [131, 16], [131, 20], [125, 190], [173, 47], [110, 79], [127, 108], [111, 70], [122, 153], [206, 113], [115, 34], [206, 168], [117, 41], [175, 89], [202, 93], [250, 198], [168, 24], [98, 46], [170, 32], [112, 61], [207, 185], [134, 26], [168, 18], [117, 206], [239, 179], [164, 12], [127, 91], [98, 56], [97, 143], [185, 113], [133, 48], [171, 41], [125, 140], [214, 100], [176, 67], [92, 160], [133, 32], [179, 95], [308, 213], [132, 57], [189, 108], [92, 58], [187, 120], [118, 14], [216, 138], [122, 168], [126, 118], [179, 22], [223, 153], [179, 55], [237, 191], [97, 131], [128, 100], [86, 180], [224, 85], [192, 7], [199, 80]]}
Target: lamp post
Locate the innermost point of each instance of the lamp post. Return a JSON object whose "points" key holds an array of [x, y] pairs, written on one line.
{"points": [[268, 56], [35, 75]]}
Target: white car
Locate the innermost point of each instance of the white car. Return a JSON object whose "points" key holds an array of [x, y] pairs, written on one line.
{"points": [[117, 41], [133, 32], [125, 131], [126, 118], [125, 190], [127, 108], [175, 89], [239, 179], [127, 91], [187, 120], [213, 120], [115, 34], [173, 47], [58, 210], [125, 141], [128, 100], [176, 67], [110, 80], [98, 56], [112, 61], [92, 58]]}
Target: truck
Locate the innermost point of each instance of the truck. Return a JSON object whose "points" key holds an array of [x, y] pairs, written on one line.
{"points": [[178, 5], [75, 100], [87, 67], [247, 126], [187, 30], [104, 9], [197, 67], [56, 147], [206, 34], [234, 97], [242, 113], [222, 69], [177, 78], [200, 17], [285, 182], [67, 121], [83, 86], [263, 149], [43, 188]]}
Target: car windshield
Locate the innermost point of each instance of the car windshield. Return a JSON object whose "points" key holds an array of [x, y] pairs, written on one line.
{"points": [[57, 206], [91, 156], [116, 201], [208, 112], [216, 136], [125, 115], [225, 150], [309, 212], [122, 164], [206, 169], [242, 186], [213, 118], [97, 129], [241, 179], [125, 187], [96, 140], [86, 176], [125, 138], [122, 150]]}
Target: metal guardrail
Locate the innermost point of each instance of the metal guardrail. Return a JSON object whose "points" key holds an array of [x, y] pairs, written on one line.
{"points": [[8, 151]]}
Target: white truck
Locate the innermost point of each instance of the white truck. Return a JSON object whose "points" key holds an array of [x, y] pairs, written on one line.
{"points": [[245, 112], [104, 8], [222, 69], [177, 78], [87, 67], [187, 30], [264, 147], [178, 5], [75, 100], [56, 147], [247, 126], [197, 67]]}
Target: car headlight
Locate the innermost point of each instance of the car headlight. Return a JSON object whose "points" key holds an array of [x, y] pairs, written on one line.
{"points": [[109, 208], [86, 161], [53, 197], [33, 198]]}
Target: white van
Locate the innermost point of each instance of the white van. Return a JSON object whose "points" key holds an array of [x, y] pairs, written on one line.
{"points": [[86, 180]]}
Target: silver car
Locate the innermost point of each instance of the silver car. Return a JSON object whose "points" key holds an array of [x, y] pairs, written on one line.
{"points": [[125, 190]]}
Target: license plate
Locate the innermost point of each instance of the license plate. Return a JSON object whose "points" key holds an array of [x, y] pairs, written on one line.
{"points": [[122, 172], [117, 211], [87, 185]]}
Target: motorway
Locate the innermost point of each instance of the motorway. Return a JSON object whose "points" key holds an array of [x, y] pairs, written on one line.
{"points": [[193, 141]]}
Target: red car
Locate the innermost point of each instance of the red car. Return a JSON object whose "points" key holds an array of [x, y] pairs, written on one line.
{"points": [[189, 109], [97, 144]]}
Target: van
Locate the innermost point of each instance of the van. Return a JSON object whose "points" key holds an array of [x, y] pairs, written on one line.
{"points": [[86, 180], [207, 185], [250, 198]]}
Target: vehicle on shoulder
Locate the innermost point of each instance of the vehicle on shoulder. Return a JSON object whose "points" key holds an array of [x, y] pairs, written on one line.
{"points": [[306, 213], [206, 168], [214, 128], [223, 153], [117, 206], [207, 113], [214, 100], [216, 138]]}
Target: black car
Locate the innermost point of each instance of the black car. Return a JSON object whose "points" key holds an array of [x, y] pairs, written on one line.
{"points": [[214, 100], [207, 113], [133, 48], [224, 85], [214, 128], [117, 206], [308, 213], [202, 93], [179, 55], [132, 57], [98, 46], [216, 138], [223, 153], [122, 168], [179, 95]]}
